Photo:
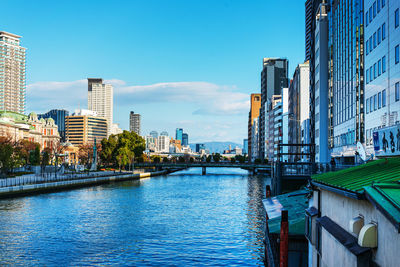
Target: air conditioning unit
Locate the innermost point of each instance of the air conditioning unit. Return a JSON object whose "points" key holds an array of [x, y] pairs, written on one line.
{"points": [[368, 236], [356, 224]]}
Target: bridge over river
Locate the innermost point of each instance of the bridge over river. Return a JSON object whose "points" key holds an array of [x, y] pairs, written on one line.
{"points": [[168, 165]]}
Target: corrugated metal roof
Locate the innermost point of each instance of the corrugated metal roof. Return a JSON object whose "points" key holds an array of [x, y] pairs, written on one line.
{"points": [[295, 203], [354, 179]]}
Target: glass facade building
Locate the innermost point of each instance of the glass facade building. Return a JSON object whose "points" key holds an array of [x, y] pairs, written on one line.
{"points": [[178, 134], [346, 77], [58, 115]]}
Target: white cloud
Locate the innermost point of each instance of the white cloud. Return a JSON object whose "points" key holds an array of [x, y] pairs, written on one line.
{"points": [[206, 98]]}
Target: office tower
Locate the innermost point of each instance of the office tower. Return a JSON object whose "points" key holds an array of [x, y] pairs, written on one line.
{"points": [[58, 115], [164, 133], [273, 79], [185, 139], [254, 137], [273, 122], [12, 73], [134, 122], [84, 126], [346, 78], [311, 7], [298, 103], [255, 105], [178, 134], [245, 146], [200, 147], [154, 134], [100, 99], [382, 76], [319, 120]]}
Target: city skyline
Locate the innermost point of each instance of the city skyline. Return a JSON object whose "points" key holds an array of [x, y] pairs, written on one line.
{"points": [[166, 74]]}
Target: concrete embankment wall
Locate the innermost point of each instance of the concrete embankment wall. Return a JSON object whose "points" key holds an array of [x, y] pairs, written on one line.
{"points": [[15, 191]]}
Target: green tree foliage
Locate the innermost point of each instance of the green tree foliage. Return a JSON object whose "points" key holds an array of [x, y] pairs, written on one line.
{"points": [[34, 156], [7, 157], [240, 158], [122, 149], [208, 159], [233, 160], [166, 160], [24, 149], [257, 161], [156, 159], [216, 157]]}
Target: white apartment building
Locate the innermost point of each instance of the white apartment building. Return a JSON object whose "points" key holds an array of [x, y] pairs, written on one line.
{"points": [[254, 138], [100, 99], [163, 143], [12, 73]]}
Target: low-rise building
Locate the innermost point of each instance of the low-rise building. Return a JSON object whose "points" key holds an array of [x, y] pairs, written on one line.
{"points": [[353, 217], [21, 127]]}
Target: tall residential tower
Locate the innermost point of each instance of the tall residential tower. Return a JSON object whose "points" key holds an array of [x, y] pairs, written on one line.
{"points": [[134, 122], [100, 99], [12, 73]]}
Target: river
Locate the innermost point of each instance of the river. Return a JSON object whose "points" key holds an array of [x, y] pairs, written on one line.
{"points": [[183, 219]]}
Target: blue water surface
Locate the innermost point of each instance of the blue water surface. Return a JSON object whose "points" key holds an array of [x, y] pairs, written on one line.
{"points": [[183, 219]]}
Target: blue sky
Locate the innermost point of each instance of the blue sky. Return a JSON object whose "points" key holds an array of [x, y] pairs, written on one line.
{"points": [[187, 64]]}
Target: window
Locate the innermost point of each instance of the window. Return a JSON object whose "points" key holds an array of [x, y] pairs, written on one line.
{"points": [[366, 18], [379, 68], [379, 35], [378, 5], [397, 91], [374, 39], [370, 74], [367, 47], [379, 100], [383, 3], [383, 64], [370, 14], [374, 9], [375, 102], [371, 102], [375, 71], [396, 18], [367, 106], [367, 74], [383, 31], [384, 98], [396, 54], [370, 44]]}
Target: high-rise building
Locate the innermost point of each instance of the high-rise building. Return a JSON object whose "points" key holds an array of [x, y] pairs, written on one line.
{"points": [[273, 79], [382, 75], [298, 103], [311, 7], [164, 133], [319, 120], [150, 143], [178, 134], [255, 105], [58, 115], [185, 139], [134, 122], [100, 99], [346, 77], [274, 127], [83, 127], [254, 137], [12, 73], [245, 146], [154, 134], [163, 143], [200, 147]]}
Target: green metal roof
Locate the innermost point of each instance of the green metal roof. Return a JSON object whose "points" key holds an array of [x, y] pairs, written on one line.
{"points": [[295, 203], [386, 197], [355, 178]]}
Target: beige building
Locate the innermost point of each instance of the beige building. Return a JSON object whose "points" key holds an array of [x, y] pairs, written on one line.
{"points": [[21, 127], [100, 100], [134, 122], [12, 73], [83, 128]]}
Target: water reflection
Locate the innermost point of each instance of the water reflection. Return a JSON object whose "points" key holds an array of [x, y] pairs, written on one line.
{"points": [[181, 219]]}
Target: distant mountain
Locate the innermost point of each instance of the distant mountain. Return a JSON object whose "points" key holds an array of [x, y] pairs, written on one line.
{"points": [[217, 147]]}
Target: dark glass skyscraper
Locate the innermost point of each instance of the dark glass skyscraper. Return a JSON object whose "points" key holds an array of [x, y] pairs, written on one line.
{"points": [[58, 115], [185, 139], [178, 134], [274, 77]]}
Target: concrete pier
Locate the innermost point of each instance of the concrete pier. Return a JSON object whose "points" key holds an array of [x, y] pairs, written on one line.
{"points": [[28, 189]]}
